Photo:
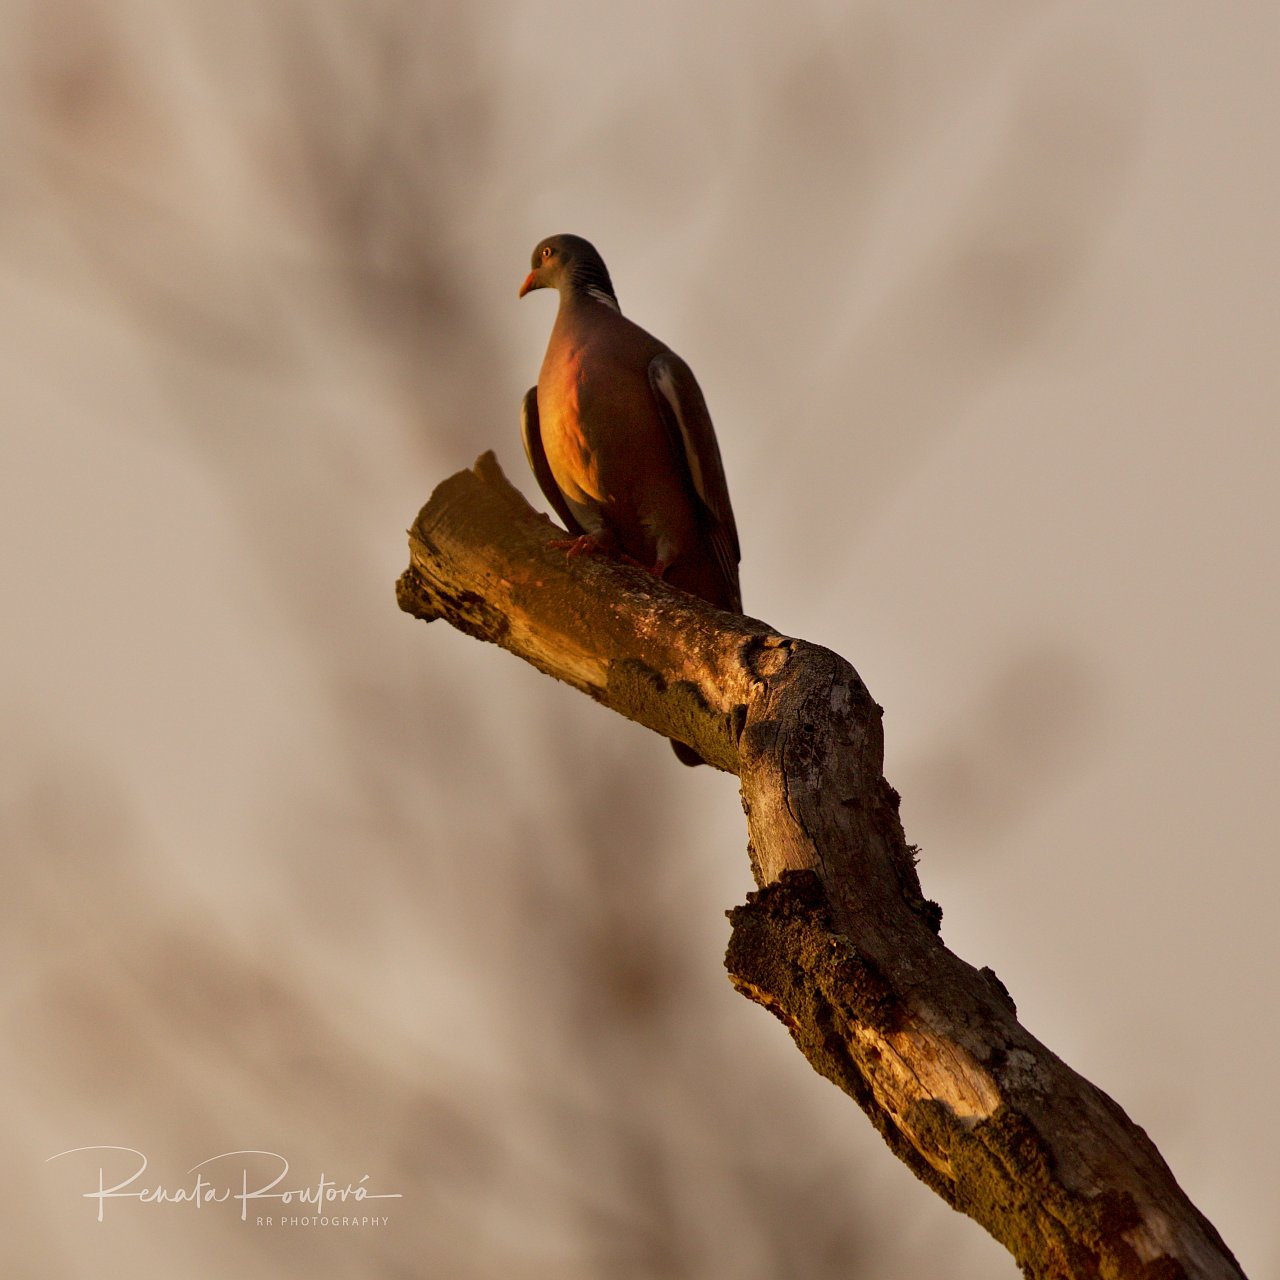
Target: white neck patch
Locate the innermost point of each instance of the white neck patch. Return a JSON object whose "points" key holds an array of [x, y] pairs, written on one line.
{"points": [[600, 296]]}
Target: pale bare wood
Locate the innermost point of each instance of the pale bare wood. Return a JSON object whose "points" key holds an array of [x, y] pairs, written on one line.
{"points": [[839, 942]]}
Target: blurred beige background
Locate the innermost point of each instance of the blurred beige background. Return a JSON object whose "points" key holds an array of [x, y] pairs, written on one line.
{"points": [[983, 299]]}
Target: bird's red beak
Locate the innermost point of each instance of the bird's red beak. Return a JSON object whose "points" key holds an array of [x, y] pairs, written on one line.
{"points": [[529, 283]]}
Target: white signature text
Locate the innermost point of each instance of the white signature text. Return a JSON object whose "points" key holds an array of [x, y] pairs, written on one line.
{"points": [[216, 1181]]}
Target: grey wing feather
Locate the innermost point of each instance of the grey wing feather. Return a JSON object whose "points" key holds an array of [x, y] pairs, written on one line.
{"points": [[692, 436], [531, 434]]}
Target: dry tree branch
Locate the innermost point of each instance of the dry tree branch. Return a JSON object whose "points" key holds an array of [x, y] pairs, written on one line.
{"points": [[839, 942]]}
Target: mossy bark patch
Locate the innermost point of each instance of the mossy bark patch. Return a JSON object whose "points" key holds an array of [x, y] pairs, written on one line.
{"points": [[786, 954]]}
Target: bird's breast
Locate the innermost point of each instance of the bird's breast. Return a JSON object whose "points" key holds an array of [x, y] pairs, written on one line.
{"points": [[571, 445], [607, 445]]}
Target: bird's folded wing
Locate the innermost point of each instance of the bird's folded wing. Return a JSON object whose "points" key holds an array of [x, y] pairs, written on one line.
{"points": [[692, 437], [531, 434]]}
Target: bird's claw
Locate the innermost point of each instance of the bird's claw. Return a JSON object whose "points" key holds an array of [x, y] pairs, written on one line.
{"points": [[583, 544], [592, 544]]}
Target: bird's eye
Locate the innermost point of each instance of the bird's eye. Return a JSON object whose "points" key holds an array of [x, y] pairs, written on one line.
{"points": [[547, 251]]}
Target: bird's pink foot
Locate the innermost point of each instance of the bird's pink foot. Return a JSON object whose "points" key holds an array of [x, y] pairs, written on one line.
{"points": [[595, 544], [588, 544]]}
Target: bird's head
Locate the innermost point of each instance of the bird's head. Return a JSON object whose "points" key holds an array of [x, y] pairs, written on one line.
{"points": [[569, 263]]}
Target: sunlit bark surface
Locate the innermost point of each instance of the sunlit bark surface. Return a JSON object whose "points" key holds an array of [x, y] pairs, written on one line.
{"points": [[839, 942]]}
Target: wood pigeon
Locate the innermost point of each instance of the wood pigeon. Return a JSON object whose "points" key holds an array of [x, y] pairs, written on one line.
{"points": [[618, 435]]}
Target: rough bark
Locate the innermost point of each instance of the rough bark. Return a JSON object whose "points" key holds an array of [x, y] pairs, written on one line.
{"points": [[839, 942]]}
